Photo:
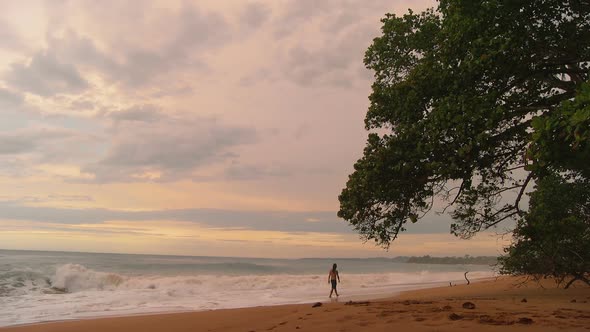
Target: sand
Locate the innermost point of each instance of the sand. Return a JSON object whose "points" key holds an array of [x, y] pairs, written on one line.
{"points": [[502, 304]]}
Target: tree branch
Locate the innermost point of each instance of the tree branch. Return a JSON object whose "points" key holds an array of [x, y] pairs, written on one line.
{"points": [[456, 196], [526, 182]]}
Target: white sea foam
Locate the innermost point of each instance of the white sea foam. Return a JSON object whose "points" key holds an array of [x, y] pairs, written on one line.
{"points": [[91, 293], [75, 278]]}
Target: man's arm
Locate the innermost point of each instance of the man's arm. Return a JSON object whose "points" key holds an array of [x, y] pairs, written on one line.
{"points": [[338, 276]]}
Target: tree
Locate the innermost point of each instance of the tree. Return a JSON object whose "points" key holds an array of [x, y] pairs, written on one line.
{"points": [[463, 107], [554, 237]]}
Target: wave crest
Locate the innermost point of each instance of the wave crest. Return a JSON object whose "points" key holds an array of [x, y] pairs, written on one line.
{"points": [[75, 278]]}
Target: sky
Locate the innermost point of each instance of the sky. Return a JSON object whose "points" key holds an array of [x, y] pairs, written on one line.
{"points": [[210, 128]]}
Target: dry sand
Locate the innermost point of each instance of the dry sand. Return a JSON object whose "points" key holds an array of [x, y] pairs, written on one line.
{"points": [[500, 305]]}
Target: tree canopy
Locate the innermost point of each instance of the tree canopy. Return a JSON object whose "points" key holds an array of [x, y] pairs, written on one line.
{"points": [[473, 103]]}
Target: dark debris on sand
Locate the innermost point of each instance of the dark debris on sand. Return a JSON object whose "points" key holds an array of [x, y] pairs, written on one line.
{"points": [[454, 316], [469, 305], [358, 303], [524, 320], [408, 302]]}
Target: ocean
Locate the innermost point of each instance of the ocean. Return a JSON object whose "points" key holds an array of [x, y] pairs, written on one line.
{"points": [[39, 286]]}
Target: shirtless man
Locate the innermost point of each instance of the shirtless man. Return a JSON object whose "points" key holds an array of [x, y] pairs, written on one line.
{"points": [[332, 277]]}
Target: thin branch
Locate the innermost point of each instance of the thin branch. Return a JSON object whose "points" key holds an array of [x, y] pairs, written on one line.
{"points": [[500, 220], [429, 208], [506, 189], [456, 196], [515, 168], [506, 208]]}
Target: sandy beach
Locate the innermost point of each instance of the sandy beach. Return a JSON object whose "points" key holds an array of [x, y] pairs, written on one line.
{"points": [[491, 305]]}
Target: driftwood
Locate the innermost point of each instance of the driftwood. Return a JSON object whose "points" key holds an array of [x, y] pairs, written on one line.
{"points": [[465, 275]]}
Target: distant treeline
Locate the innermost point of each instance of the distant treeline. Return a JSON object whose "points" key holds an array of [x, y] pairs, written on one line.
{"points": [[474, 260]]}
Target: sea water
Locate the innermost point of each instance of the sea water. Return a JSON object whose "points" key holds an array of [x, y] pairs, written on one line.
{"points": [[37, 286]]}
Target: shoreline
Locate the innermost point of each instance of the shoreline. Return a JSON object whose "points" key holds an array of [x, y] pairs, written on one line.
{"points": [[500, 303], [374, 293], [406, 287]]}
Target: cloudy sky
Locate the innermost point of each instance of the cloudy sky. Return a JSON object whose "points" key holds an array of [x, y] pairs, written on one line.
{"points": [[193, 127]]}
